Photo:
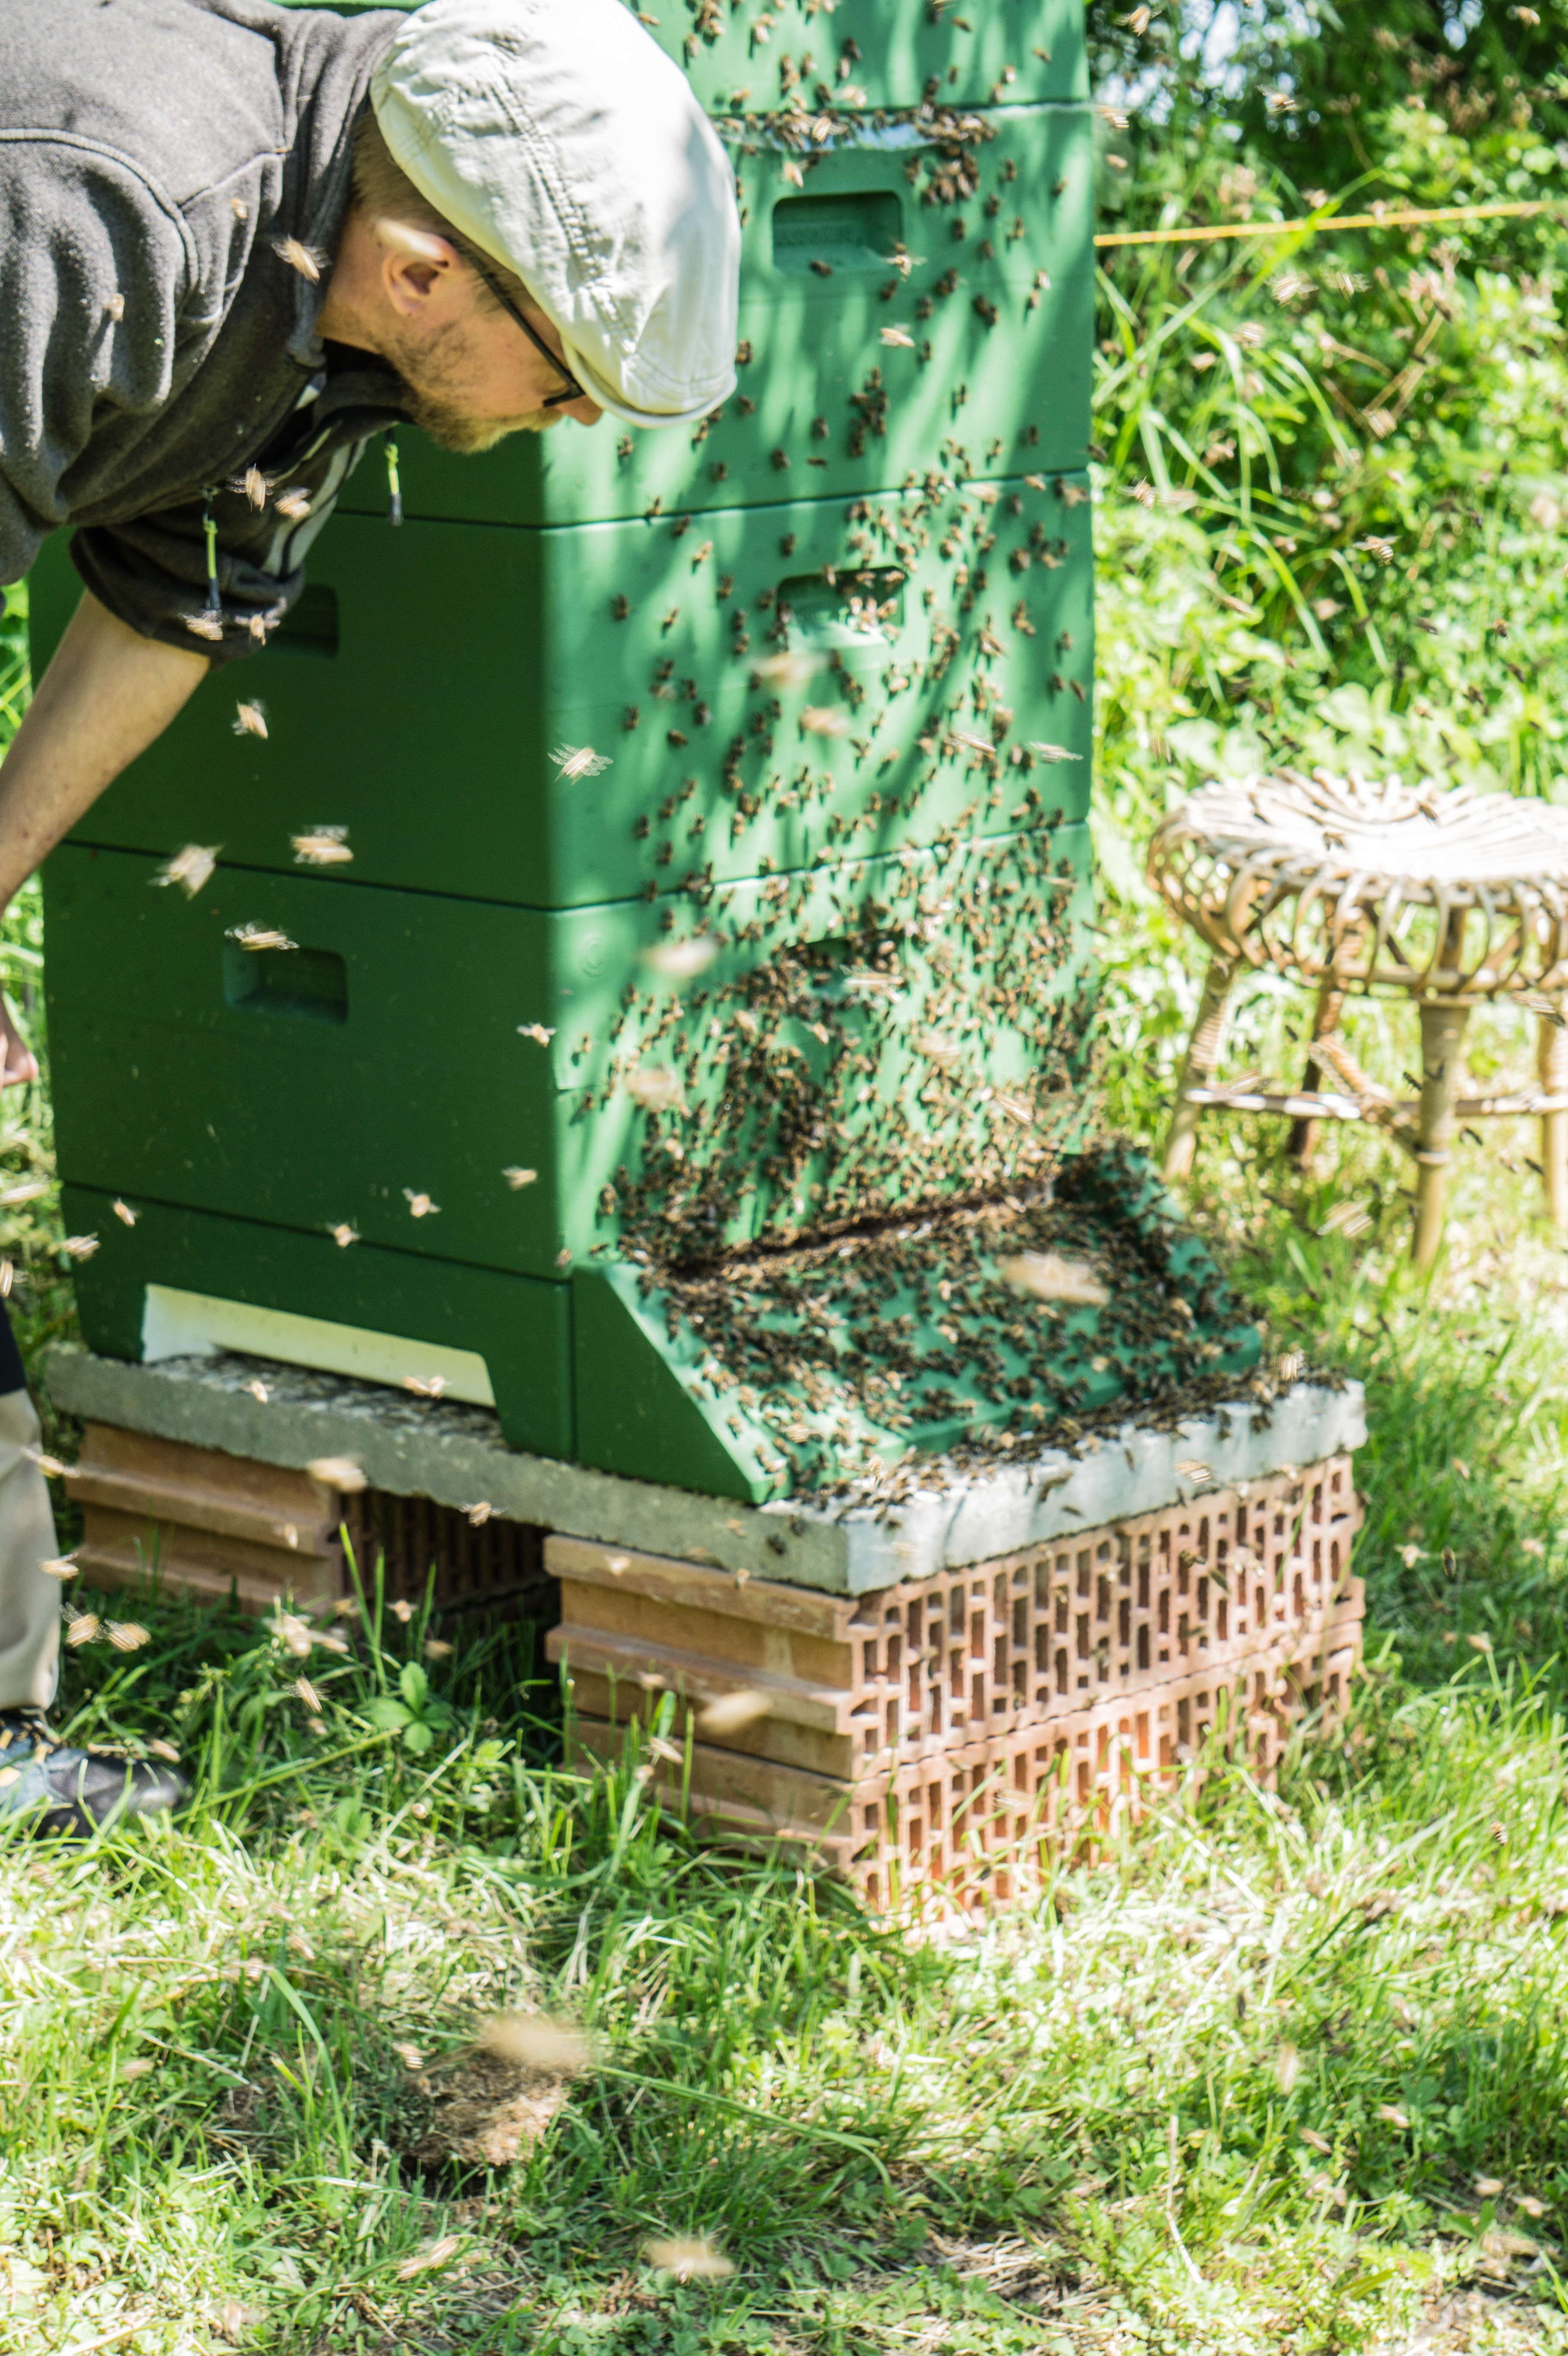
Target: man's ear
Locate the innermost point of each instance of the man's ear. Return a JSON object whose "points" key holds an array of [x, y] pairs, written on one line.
{"points": [[419, 271]]}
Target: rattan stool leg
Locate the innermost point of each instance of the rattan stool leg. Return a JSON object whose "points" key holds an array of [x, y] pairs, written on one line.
{"points": [[1197, 1070], [1552, 1063], [1303, 1134], [1442, 1037]]}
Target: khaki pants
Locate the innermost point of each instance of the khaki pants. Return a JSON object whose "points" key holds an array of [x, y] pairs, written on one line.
{"points": [[29, 1597]]}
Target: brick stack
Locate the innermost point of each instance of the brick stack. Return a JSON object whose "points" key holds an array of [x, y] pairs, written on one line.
{"points": [[951, 1729], [201, 1522]]}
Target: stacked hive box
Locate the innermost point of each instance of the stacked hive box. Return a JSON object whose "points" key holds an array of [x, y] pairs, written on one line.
{"points": [[947, 1729], [717, 809]]}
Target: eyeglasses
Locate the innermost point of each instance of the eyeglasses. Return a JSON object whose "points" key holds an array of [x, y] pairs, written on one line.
{"points": [[571, 389]]}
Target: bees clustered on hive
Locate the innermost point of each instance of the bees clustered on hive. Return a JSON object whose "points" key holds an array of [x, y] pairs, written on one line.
{"points": [[860, 1365], [904, 725], [863, 1085], [847, 1062], [805, 97]]}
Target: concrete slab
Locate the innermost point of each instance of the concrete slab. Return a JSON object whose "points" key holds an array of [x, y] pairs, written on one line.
{"points": [[454, 1453]]}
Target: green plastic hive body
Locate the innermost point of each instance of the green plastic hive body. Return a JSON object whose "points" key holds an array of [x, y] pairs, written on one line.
{"points": [[805, 56], [700, 1032]]}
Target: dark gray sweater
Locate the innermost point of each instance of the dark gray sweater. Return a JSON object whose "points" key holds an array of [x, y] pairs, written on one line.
{"points": [[153, 344]]}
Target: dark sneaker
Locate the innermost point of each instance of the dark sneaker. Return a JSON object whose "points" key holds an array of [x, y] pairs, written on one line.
{"points": [[60, 1789]]}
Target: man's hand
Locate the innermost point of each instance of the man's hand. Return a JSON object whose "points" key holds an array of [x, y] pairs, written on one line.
{"points": [[103, 699], [17, 1061]]}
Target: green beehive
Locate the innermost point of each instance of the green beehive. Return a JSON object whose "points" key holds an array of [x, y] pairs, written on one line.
{"points": [[691, 1048], [805, 56], [467, 652]]}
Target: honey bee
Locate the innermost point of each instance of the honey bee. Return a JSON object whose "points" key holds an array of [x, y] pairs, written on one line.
{"points": [[657, 1089], [516, 1177], [190, 868], [294, 506], [681, 960], [250, 720], [343, 1234], [127, 1635], [1051, 754], [123, 1212], [480, 1513], [420, 1206], [429, 1386], [80, 1247], [899, 336], [254, 486], [204, 625], [1049, 1277], [324, 846], [301, 257], [259, 937], [824, 720], [339, 1472], [574, 760], [536, 1030]]}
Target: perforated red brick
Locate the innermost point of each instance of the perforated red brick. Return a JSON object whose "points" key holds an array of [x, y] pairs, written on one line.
{"points": [[1111, 1612], [841, 1685], [499, 1567], [979, 1821]]}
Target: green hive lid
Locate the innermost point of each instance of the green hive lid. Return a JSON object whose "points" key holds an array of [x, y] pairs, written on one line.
{"points": [[788, 1373]]}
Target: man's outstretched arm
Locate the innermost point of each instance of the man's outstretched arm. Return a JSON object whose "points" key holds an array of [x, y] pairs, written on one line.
{"points": [[103, 699]]}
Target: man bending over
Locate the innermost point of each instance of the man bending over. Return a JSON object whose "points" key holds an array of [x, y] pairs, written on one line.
{"points": [[236, 241]]}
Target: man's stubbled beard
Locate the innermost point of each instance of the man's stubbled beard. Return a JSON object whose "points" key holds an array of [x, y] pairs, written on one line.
{"points": [[434, 374]]}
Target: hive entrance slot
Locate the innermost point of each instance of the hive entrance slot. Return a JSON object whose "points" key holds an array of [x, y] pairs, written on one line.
{"points": [[860, 609], [310, 984], [848, 233]]}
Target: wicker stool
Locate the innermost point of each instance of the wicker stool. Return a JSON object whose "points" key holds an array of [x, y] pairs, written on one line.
{"points": [[1366, 887]]}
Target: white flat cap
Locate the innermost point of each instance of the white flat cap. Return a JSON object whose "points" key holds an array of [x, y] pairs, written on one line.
{"points": [[560, 138]]}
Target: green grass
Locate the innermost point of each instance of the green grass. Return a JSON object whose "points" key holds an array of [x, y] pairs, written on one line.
{"points": [[1081, 2124]]}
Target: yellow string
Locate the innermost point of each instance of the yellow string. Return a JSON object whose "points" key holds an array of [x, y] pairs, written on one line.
{"points": [[1316, 221]]}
